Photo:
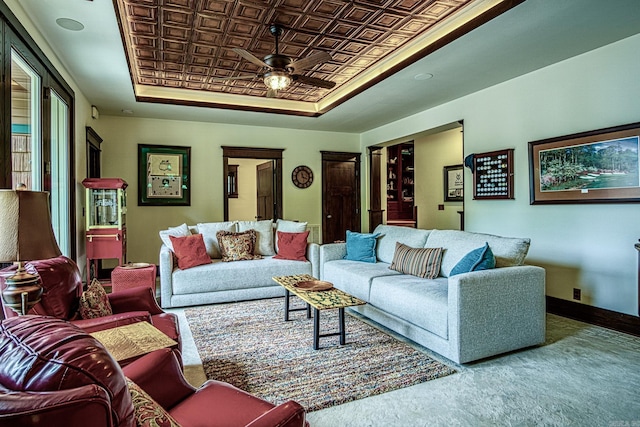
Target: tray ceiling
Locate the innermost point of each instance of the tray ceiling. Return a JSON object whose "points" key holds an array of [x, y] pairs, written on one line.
{"points": [[176, 49]]}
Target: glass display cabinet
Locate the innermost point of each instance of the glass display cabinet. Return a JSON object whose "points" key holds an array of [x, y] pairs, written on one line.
{"points": [[106, 215]]}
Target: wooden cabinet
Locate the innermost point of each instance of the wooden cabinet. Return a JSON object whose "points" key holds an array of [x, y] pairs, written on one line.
{"points": [[400, 182]]}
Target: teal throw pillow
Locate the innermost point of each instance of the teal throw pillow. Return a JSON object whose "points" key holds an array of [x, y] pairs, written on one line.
{"points": [[361, 247], [476, 260]]}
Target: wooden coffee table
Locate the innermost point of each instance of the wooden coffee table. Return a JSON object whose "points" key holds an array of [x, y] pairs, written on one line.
{"points": [[319, 300], [130, 341]]}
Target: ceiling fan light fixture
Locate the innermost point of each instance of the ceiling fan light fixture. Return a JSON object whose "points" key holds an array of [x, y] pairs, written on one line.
{"points": [[277, 80]]}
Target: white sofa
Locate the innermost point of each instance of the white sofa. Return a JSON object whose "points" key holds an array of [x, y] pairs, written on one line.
{"points": [[230, 281], [464, 317]]}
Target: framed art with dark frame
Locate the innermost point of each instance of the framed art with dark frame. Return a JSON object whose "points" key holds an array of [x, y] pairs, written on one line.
{"points": [[599, 166], [164, 175], [453, 183]]}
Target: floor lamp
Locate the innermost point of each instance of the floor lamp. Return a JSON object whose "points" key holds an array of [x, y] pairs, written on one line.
{"points": [[25, 235]]}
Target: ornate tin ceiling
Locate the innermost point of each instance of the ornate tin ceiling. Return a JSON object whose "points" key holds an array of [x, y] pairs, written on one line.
{"points": [[176, 49]]}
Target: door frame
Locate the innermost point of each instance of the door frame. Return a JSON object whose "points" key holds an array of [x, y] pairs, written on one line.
{"points": [[274, 154], [341, 156]]}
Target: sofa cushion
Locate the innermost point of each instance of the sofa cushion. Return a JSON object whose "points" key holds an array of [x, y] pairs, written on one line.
{"points": [[264, 235], [354, 277], [293, 246], [209, 230], [148, 412], [289, 227], [509, 251], [94, 302], [390, 234], [361, 247], [420, 262], [190, 251], [230, 276], [422, 302], [180, 231], [237, 246], [476, 260]]}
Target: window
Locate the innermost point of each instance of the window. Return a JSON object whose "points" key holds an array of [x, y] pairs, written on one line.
{"points": [[36, 127]]}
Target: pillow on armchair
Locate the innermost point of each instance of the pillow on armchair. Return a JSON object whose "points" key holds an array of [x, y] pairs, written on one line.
{"points": [[94, 302]]}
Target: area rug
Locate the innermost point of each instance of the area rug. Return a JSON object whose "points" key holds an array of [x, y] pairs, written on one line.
{"points": [[249, 345]]}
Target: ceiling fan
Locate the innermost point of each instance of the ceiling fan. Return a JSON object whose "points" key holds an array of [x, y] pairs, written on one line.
{"points": [[279, 71]]}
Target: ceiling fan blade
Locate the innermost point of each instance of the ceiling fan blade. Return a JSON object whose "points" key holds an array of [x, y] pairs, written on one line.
{"points": [[249, 57], [314, 81], [310, 61], [219, 79]]}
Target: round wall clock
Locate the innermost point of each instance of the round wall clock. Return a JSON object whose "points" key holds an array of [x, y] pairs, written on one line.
{"points": [[302, 176]]}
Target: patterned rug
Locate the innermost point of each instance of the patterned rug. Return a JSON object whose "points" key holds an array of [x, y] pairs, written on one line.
{"points": [[249, 345]]}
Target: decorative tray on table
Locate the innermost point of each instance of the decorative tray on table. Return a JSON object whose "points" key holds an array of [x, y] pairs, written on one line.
{"points": [[133, 265], [314, 285]]}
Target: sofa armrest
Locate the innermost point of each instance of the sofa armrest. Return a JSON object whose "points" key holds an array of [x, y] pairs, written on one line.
{"points": [[331, 252], [495, 311], [112, 321], [160, 375], [134, 299], [166, 267], [69, 407], [313, 255]]}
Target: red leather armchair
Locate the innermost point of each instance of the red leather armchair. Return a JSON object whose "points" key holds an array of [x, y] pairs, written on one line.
{"points": [[54, 374], [62, 285]]}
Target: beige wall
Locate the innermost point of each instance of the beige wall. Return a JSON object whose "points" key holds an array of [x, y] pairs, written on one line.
{"points": [[432, 154], [120, 159], [244, 208], [586, 246]]}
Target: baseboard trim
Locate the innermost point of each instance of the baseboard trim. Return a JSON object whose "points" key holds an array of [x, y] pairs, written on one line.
{"points": [[594, 315]]}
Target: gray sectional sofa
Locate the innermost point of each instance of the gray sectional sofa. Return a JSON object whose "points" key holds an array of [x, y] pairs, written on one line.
{"points": [[464, 317], [230, 281]]}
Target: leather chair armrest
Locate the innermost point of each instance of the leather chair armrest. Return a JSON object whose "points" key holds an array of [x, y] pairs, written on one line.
{"points": [[70, 407], [159, 374], [115, 320], [288, 414], [134, 299]]}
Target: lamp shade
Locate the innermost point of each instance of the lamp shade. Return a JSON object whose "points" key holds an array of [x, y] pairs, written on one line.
{"points": [[25, 226]]}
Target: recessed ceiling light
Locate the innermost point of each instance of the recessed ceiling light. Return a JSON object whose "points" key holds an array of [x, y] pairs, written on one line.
{"points": [[423, 76], [70, 24], [127, 111]]}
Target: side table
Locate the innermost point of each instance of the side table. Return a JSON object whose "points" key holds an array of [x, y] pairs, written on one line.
{"points": [[133, 275]]}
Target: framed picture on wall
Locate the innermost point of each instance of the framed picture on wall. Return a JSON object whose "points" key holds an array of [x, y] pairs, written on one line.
{"points": [[600, 166], [453, 183], [164, 175]]}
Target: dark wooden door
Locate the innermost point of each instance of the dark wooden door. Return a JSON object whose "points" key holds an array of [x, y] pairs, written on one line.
{"points": [[264, 177], [340, 195]]}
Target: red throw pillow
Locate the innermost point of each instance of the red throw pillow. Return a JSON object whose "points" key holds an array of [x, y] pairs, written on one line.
{"points": [[292, 246], [190, 251]]}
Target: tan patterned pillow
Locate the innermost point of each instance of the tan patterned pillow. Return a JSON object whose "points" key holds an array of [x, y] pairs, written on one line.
{"points": [[94, 302], [421, 262], [147, 412], [237, 246]]}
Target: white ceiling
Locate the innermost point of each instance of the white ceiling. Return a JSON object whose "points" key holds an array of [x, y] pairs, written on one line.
{"points": [[530, 36]]}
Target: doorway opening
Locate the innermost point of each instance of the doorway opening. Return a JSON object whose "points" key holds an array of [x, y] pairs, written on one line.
{"points": [[252, 183], [395, 187]]}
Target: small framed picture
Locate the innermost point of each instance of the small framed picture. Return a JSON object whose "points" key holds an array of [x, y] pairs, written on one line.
{"points": [[164, 175], [453, 183]]}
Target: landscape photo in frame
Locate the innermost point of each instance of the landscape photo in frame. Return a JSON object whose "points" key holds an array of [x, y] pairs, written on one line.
{"points": [[599, 166]]}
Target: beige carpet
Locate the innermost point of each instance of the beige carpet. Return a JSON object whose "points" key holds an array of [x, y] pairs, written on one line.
{"points": [[248, 344]]}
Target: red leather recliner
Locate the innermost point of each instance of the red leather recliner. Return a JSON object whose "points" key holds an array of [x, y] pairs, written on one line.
{"points": [[54, 374], [62, 285]]}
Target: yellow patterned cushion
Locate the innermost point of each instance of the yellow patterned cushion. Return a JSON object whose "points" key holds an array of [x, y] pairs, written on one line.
{"points": [[147, 412], [94, 302], [237, 246]]}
